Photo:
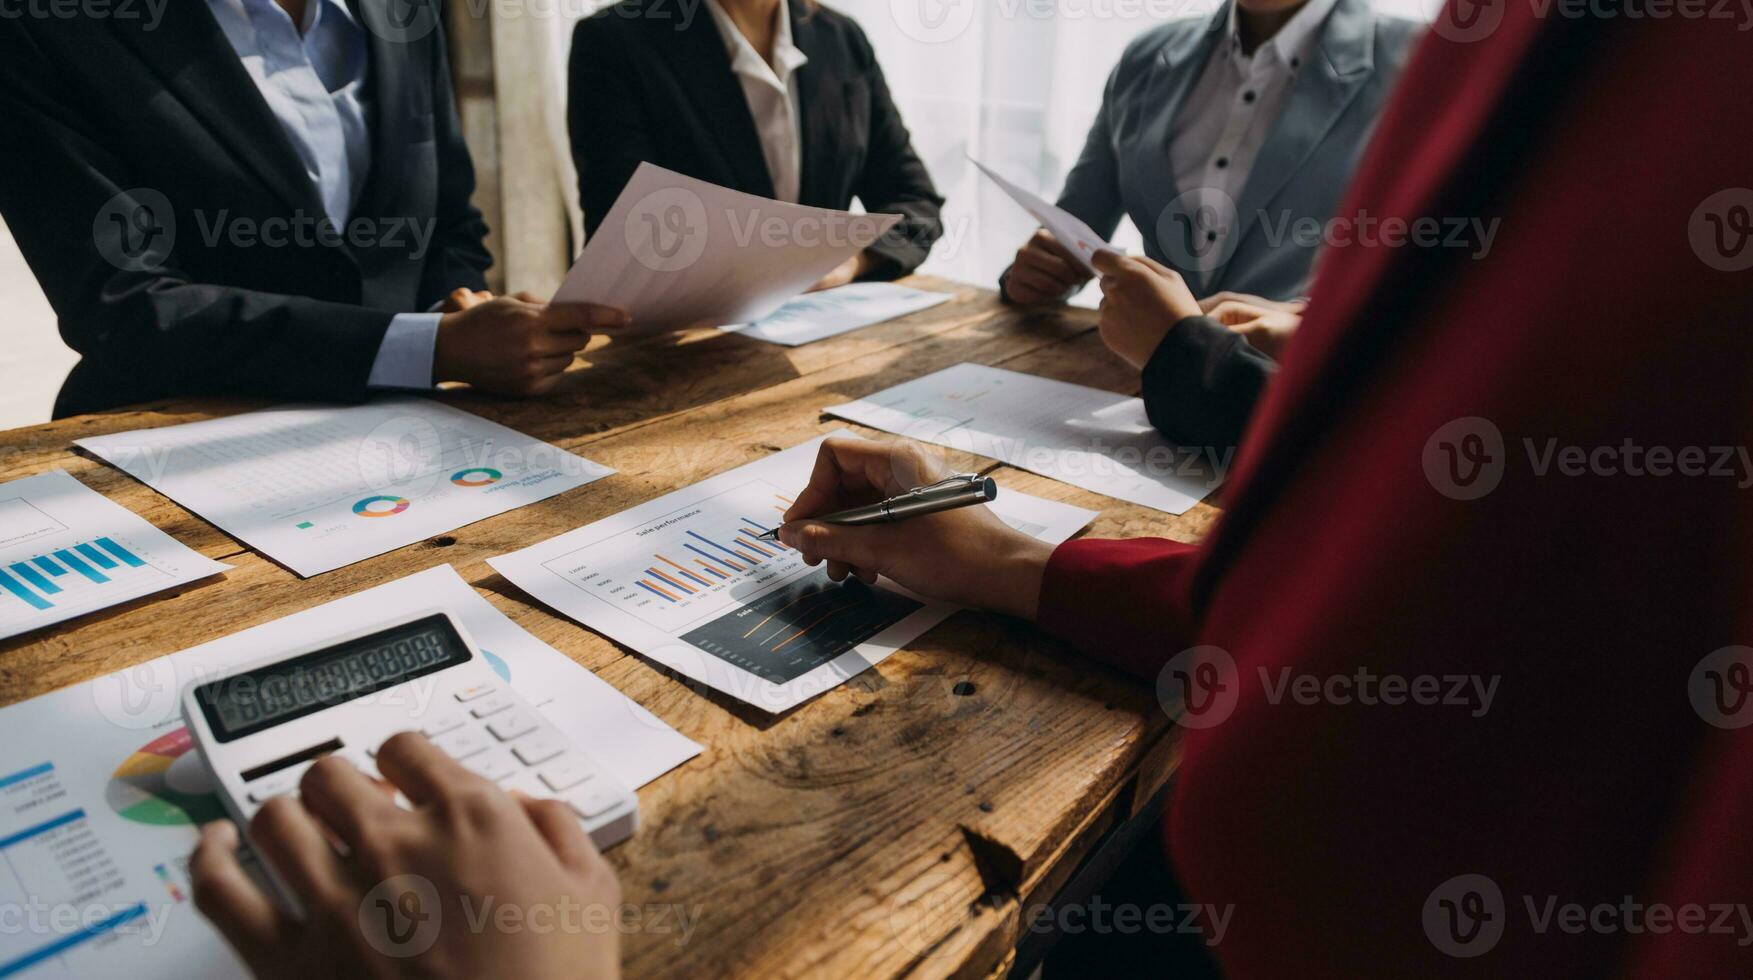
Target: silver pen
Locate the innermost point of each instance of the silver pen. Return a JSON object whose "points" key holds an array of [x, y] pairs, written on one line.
{"points": [[962, 490]]}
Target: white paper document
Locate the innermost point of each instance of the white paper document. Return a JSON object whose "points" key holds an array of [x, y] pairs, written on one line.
{"points": [[316, 488], [817, 316], [66, 550], [102, 791], [1083, 436], [1068, 229], [676, 252], [684, 581]]}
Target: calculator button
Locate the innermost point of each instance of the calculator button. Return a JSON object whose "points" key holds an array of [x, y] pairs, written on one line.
{"points": [[443, 723], [566, 773], [492, 766], [474, 691], [524, 781], [461, 744], [490, 706], [594, 800], [539, 749], [279, 784], [511, 726]]}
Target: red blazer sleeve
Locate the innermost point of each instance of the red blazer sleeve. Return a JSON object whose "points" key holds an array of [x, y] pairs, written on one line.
{"points": [[1125, 603]]}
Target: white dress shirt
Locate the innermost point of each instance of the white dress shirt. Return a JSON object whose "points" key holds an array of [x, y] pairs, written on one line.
{"points": [[771, 91], [1230, 111], [314, 80]]}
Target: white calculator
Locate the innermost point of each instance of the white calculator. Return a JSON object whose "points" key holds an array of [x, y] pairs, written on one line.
{"points": [[259, 728]]}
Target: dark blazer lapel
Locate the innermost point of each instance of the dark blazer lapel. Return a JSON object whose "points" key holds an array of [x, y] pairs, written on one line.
{"points": [[387, 76], [700, 62], [1343, 62], [817, 118], [200, 67]]}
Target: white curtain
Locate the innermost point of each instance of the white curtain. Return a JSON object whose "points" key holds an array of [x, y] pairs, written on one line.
{"points": [[1014, 83]]}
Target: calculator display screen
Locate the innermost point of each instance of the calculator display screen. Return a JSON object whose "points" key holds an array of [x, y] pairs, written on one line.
{"points": [[246, 703]]}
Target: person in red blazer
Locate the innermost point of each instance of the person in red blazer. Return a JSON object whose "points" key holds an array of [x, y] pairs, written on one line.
{"points": [[1463, 668], [1461, 665]]}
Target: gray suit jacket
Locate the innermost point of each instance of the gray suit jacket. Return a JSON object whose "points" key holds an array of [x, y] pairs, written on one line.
{"points": [[1301, 172]]}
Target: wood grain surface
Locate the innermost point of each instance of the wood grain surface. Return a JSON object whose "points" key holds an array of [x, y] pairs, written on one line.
{"points": [[898, 825]]}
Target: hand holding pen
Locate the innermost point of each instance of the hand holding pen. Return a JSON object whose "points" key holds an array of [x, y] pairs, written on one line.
{"points": [[949, 493], [933, 542]]}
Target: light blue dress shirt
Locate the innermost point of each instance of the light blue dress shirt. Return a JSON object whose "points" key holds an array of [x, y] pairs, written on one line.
{"points": [[314, 81]]}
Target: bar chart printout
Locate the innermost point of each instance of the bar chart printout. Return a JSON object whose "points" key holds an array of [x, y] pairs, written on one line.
{"points": [[66, 551], [686, 580], [801, 625]]}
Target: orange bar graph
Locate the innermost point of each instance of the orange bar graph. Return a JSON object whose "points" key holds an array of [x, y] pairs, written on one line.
{"points": [[671, 581], [687, 573]]}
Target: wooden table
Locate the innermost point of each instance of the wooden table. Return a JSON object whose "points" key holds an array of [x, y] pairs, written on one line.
{"points": [[900, 824]]}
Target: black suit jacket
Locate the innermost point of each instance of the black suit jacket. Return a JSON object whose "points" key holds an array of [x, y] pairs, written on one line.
{"points": [[660, 89], [138, 161]]}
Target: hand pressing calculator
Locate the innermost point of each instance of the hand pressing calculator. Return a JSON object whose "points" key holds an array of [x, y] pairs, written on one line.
{"points": [[260, 728]]}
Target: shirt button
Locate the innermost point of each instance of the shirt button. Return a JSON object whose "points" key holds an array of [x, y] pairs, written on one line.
{"points": [[1222, 162], [1248, 97]]}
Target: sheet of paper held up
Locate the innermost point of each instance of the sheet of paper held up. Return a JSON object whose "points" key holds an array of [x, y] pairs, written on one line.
{"points": [[1070, 231], [677, 252], [66, 550], [684, 580], [318, 487], [1086, 437], [102, 792], [831, 312]]}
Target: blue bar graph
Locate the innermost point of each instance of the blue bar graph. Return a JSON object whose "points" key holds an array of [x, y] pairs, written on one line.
{"points": [[713, 557], [42, 828], [752, 546], [18, 589], [67, 558], [35, 578], [41, 769], [21, 963], [720, 547], [102, 560], [128, 557], [654, 592], [34, 581]]}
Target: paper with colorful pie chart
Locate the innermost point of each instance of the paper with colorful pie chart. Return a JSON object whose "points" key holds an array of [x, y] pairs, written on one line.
{"points": [[102, 789], [319, 487], [66, 550]]}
